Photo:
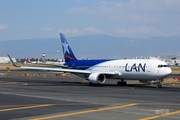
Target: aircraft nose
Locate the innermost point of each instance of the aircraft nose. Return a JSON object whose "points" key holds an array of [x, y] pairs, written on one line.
{"points": [[168, 71]]}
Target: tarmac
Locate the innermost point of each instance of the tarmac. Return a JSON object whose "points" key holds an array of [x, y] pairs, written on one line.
{"points": [[32, 95]]}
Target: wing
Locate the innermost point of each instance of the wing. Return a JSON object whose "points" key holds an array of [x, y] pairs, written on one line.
{"points": [[68, 70], [56, 69], [49, 69], [65, 70]]}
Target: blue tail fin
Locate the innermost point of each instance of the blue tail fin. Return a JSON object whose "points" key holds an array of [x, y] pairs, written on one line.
{"points": [[67, 51]]}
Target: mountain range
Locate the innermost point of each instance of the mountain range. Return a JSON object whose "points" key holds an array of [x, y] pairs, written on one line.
{"points": [[92, 46]]}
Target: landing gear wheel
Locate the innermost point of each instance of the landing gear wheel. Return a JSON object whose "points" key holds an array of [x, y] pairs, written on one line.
{"points": [[158, 83], [124, 83], [121, 83], [90, 83], [159, 86], [93, 84]]}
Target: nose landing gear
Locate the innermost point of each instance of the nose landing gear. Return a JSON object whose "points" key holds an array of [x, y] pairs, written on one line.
{"points": [[159, 85]]}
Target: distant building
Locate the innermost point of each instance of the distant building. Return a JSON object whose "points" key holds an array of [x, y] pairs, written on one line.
{"points": [[146, 57], [6, 60], [172, 62]]}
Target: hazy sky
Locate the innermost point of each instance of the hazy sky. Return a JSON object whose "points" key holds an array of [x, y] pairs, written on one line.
{"points": [[25, 19]]}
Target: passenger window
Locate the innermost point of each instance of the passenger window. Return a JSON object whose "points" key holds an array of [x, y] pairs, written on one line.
{"points": [[159, 66]]}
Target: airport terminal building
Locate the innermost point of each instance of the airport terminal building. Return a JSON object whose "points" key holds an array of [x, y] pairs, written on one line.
{"points": [[5, 60]]}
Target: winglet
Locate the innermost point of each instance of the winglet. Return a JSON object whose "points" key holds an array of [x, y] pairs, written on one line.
{"points": [[12, 61]]}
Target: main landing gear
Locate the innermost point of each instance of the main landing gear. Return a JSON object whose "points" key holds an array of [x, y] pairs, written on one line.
{"points": [[158, 83], [91, 84], [122, 83]]}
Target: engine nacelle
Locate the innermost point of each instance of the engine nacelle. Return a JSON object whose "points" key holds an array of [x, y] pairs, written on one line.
{"points": [[97, 78]]}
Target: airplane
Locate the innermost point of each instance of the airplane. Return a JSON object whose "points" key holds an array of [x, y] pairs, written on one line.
{"points": [[98, 71]]}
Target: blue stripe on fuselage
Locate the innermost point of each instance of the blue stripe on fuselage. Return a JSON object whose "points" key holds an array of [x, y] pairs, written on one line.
{"points": [[84, 64]]}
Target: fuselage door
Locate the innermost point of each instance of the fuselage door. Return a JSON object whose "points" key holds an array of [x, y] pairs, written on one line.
{"points": [[148, 67]]}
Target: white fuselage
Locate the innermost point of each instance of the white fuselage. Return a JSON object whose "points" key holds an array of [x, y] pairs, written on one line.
{"points": [[139, 69]]}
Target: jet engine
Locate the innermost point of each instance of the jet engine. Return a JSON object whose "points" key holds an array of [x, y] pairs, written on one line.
{"points": [[97, 78]]}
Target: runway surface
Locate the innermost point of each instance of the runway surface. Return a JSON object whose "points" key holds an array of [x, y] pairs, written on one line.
{"points": [[42, 96]]}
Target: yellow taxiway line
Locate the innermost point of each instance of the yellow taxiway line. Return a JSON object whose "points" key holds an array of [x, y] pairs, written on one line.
{"points": [[26, 107], [161, 115], [6, 82], [83, 112]]}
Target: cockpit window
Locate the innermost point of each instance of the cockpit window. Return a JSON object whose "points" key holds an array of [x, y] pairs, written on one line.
{"points": [[160, 66]]}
